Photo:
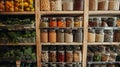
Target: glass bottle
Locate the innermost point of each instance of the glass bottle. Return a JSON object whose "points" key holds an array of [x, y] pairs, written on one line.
{"points": [[93, 5], [78, 5], [9, 6], [52, 54], [52, 36], [99, 36], [2, 6], [60, 35], [113, 5], [68, 36], [61, 55], [78, 22], [69, 22], [69, 54], [44, 36], [91, 35], [103, 5], [67, 5], [44, 23]]}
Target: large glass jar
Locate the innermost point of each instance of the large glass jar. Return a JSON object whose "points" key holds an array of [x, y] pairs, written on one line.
{"points": [[52, 54], [102, 4], [52, 36], [69, 54], [105, 57], [68, 36], [44, 23], [61, 55], [93, 5], [78, 4], [108, 35], [2, 5], [78, 35], [116, 35], [45, 5], [44, 36], [78, 22], [60, 22], [99, 36], [69, 22], [45, 54], [96, 22], [56, 5], [9, 5], [67, 5], [60, 35], [113, 5], [91, 35], [53, 22]]}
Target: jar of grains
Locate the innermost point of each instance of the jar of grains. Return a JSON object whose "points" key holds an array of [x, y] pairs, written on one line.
{"points": [[93, 5], [78, 35], [67, 5], [68, 36], [91, 35], [60, 35], [102, 4], [113, 5], [61, 55], [45, 5], [69, 22], [2, 5], [69, 54], [78, 5], [52, 35], [52, 54], [108, 35], [44, 36], [44, 23], [44, 54], [99, 36], [78, 22], [53, 22], [9, 5], [56, 5]]}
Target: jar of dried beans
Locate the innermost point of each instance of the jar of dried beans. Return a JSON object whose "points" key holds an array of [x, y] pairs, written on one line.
{"points": [[108, 35], [45, 54], [99, 36]]}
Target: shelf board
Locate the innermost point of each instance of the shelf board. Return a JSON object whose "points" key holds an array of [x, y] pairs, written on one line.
{"points": [[61, 43], [104, 62], [62, 62], [112, 28], [75, 28], [105, 43], [16, 13], [104, 12], [16, 44]]}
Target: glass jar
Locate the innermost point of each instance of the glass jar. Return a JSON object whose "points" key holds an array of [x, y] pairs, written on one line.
{"points": [[91, 35], [78, 22], [52, 36], [111, 65], [118, 57], [45, 5], [118, 22], [113, 5], [112, 57], [67, 5], [108, 35], [97, 56], [116, 35], [78, 5], [53, 65], [90, 22], [60, 35], [102, 4], [69, 54], [44, 36], [60, 22], [69, 22], [78, 35], [90, 56], [45, 54], [111, 22], [61, 55], [53, 22], [104, 22], [2, 6], [52, 54], [9, 6], [105, 57], [68, 36], [96, 22], [44, 23], [93, 5], [99, 36], [95, 65]]}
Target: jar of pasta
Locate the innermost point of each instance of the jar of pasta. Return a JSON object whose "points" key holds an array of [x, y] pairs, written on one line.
{"points": [[78, 22], [99, 36], [103, 5], [45, 5], [2, 6], [44, 36], [69, 54], [52, 36], [68, 36], [91, 35], [9, 5], [113, 5], [68, 5]]}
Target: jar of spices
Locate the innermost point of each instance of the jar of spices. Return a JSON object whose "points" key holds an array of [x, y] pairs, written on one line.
{"points": [[103, 5], [91, 35], [97, 56], [108, 35], [52, 54], [61, 54], [60, 35], [44, 36], [78, 22], [78, 5], [78, 35], [113, 5], [44, 23], [53, 22], [69, 65], [60, 22], [45, 5], [93, 5], [69, 54], [99, 36], [68, 36], [111, 22], [44, 54], [52, 36], [2, 6], [69, 22], [77, 54], [67, 5], [9, 5]]}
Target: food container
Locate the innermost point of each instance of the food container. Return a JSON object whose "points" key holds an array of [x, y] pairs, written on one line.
{"points": [[78, 35], [90, 56], [52, 54], [53, 22], [69, 54], [44, 23], [60, 22], [78, 5], [99, 36], [111, 22], [60, 35], [104, 22], [44, 36], [68, 5], [111, 65], [45, 5], [116, 35], [118, 22], [44, 65], [68, 36], [95, 65], [69, 22], [78, 22], [112, 57], [61, 65], [9, 6], [53, 65], [103, 65], [2, 5], [52, 36], [44, 56], [91, 35], [90, 22], [113, 5], [97, 56], [105, 57], [61, 54], [29, 5], [56, 5], [96, 22], [103, 5], [118, 57], [69, 65], [108, 35], [93, 5]]}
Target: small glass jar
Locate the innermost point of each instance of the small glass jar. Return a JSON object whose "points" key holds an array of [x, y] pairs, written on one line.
{"points": [[116, 35], [61, 55], [60, 22], [69, 22], [78, 5], [104, 22], [60, 35], [78, 22], [68, 36], [53, 22], [52, 36], [99, 36], [90, 56], [103, 5], [108, 35], [113, 5], [78, 35], [96, 22], [111, 22], [52, 54], [9, 6], [105, 57], [2, 6], [44, 23], [44, 36], [90, 22], [93, 5], [67, 5], [45, 5], [69, 54], [91, 35]]}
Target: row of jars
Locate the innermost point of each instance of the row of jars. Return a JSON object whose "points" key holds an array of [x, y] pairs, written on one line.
{"points": [[61, 54], [95, 5], [61, 65], [61, 22], [16, 5], [101, 35], [61, 5], [61, 35], [104, 22]]}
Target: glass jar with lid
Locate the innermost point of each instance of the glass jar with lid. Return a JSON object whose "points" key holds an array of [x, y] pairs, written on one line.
{"points": [[78, 35], [44, 23], [103, 5], [112, 57], [52, 36], [60, 35], [68, 36], [90, 56], [52, 54], [90, 22], [45, 54], [68, 5], [78, 5], [108, 35], [45, 5], [9, 5], [93, 5], [113, 5], [69, 22], [69, 54], [97, 56], [44, 36], [111, 21], [78, 22], [61, 54], [116, 35], [91, 35], [96, 22], [56, 5], [2, 5], [53, 22], [99, 36], [104, 22], [60, 22], [105, 57]]}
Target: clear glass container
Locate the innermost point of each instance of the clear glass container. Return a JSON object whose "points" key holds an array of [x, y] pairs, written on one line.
{"points": [[45, 5], [45, 54], [93, 5], [78, 22], [68, 5], [52, 36], [78, 35], [52, 54], [44, 36], [60, 22], [78, 5], [53, 22], [68, 36], [111, 22], [69, 22], [112, 57], [105, 57], [99, 36], [103, 5], [61, 54], [97, 56], [116, 35], [91, 35], [60, 35], [2, 5], [113, 5], [9, 5], [44, 23], [56, 5], [69, 54], [108, 35]]}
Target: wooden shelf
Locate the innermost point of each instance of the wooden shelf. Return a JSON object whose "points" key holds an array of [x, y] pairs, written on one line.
{"points": [[104, 12], [104, 62], [62, 62], [61, 43], [16, 44], [75, 28], [16, 13], [105, 43]]}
